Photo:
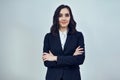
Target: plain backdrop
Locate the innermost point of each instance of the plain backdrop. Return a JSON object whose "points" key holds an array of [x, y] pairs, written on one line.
{"points": [[24, 23]]}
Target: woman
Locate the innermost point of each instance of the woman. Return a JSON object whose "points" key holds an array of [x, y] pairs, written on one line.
{"points": [[63, 49]]}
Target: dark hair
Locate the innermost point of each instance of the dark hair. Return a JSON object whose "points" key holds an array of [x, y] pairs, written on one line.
{"points": [[55, 26]]}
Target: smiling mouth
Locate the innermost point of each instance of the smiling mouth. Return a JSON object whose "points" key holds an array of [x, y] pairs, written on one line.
{"points": [[63, 22]]}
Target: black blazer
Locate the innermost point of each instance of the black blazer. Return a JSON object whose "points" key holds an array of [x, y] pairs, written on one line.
{"points": [[67, 65]]}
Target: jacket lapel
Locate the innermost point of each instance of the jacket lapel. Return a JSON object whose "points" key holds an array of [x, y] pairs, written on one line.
{"points": [[59, 42], [67, 41]]}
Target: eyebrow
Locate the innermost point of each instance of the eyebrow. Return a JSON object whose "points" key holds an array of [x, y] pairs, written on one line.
{"points": [[65, 13]]}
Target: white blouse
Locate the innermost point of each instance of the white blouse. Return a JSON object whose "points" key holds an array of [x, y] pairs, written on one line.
{"points": [[63, 37]]}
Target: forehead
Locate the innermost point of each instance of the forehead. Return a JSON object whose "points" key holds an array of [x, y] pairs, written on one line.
{"points": [[64, 10]]}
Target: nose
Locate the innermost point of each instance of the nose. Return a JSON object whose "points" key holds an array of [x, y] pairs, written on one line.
{"points": [[63, 18]]}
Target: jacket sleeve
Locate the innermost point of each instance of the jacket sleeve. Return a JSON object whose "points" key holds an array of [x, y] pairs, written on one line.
{"points": [[46, 48], [73, 60]]}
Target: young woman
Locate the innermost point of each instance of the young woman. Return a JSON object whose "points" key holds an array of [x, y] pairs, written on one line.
{"points": [[63, 49]]}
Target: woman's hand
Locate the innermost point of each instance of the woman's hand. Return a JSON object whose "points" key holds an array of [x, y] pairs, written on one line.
{"points": [[78, 51], [49, 56]]}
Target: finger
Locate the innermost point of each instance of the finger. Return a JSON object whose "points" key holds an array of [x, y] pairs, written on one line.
{"points": [[51, 53], [44, 56], [45, 53], [81, 52], [78, 54], [44, 59], [74, 54], [80, 49]]}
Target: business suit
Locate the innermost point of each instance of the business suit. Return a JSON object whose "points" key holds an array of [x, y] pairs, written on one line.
{"points": [[67, 65]]}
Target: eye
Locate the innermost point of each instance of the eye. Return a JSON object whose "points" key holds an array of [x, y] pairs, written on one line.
{"points": [[60, 15], [67, 15]]}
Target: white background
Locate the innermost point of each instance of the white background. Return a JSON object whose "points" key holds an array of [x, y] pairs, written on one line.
{"points": [[23, 24]]}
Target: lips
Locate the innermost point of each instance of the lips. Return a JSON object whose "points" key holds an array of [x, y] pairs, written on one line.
{"points": [[63, 22]]}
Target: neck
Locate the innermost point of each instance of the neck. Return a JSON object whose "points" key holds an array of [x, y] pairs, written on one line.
{"points": [[62, 29]]}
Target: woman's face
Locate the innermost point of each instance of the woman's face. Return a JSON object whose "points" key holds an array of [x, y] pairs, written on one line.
{"points": [[64, 18]]}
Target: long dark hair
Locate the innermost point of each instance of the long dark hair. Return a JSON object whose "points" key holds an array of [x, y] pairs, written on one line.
{"points": [[55, 26]]}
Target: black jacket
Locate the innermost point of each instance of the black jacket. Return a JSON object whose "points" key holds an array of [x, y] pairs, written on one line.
{"points": [[67, 65]]}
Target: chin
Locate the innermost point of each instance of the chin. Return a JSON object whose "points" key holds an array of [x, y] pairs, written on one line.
{"points": [[64, 26]]}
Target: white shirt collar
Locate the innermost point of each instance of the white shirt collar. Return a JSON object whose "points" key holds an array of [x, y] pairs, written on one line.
{"points": [[63, 33], [63, 36]]}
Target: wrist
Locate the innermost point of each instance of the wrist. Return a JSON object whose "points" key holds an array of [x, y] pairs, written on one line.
{"points": [[55, 58]]}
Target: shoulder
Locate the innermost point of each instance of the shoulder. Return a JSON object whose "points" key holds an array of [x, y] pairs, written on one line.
{"points": [[47, 35], [79, 34]]}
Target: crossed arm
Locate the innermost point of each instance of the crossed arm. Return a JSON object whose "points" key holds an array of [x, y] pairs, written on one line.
{"points": [[50, 57], [51, 60]]}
